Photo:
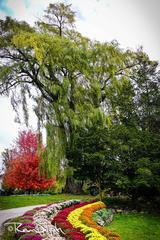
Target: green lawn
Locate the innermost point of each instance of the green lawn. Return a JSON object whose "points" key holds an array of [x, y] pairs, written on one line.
{"points": [[136, 226], [7, 202]]}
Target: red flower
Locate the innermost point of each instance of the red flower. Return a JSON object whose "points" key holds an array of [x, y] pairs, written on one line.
{"points": [[75, 236]]}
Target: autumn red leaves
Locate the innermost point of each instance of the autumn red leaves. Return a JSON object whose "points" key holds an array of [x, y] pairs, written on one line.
{"points": [[23, 165]]}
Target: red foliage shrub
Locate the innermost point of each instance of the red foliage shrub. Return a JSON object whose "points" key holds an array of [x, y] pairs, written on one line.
{"points": [[23, 172]]}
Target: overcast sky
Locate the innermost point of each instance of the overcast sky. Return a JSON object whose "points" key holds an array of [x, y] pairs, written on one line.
{"points": [[131, 22]]}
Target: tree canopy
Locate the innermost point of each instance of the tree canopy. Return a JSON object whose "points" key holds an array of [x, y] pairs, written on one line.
{"points": [[76, 82]]}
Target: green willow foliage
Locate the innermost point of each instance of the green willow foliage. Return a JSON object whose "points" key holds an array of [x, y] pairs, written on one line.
{"points": [[72, 80]]}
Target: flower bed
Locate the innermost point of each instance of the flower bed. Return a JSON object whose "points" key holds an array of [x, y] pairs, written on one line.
{"points": [[25, 230], [62, 222], [87, 218], [71, 220], [89, 232], [81, 218], [36, 224]]}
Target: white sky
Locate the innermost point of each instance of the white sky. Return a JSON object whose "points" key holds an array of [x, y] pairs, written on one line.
{"points": [[131, 22]]}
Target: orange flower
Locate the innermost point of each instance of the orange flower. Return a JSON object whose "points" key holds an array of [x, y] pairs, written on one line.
{"points": [[86, 218]]}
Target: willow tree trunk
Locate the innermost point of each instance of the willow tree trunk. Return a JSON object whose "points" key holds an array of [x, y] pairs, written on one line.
{"points": [[72, 186]]}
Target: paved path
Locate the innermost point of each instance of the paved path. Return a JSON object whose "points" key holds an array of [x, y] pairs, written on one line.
{"points": [[14, 212]]}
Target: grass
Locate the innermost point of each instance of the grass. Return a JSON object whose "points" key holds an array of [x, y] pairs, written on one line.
{"points": [[7, 202], [136, 226]]}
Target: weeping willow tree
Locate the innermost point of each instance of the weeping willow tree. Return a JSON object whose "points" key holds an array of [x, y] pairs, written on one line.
{"points": [[65, 74]]}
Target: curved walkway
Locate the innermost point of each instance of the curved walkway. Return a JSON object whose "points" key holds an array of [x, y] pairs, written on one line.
{"points": [[14, 212]]}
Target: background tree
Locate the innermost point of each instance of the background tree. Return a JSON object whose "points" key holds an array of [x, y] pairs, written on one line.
{"points": [[23, 169], [6, 157], [91, 156], [129, 143], [57, 19]]}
